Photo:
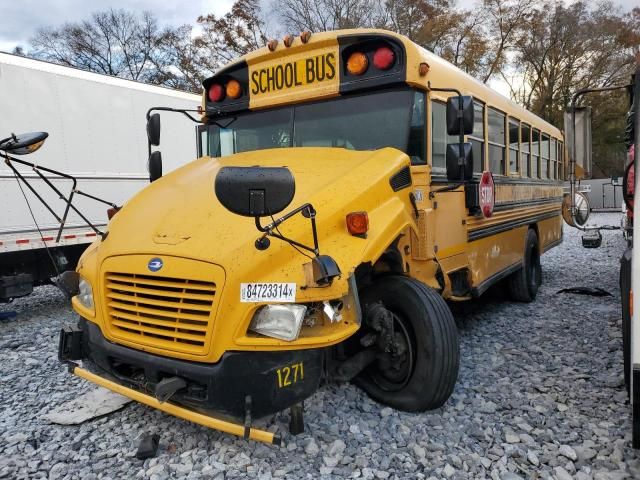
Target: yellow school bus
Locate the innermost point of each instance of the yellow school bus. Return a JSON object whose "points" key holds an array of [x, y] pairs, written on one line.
{"points": [[348, 184]]}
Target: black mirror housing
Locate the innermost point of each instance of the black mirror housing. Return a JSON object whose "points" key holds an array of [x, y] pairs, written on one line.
{"points": [[24, 143], [325, 269], [255, 191], [455, 162], [153, 129], [155, 166], [455, 114]]}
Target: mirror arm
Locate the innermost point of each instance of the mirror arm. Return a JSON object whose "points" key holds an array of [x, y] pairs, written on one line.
{"points": [[177, 110], [307, 211], [460, 124], [68, 200]]}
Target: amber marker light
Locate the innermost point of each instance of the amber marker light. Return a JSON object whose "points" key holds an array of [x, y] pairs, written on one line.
{"points": [[272, 44], [357, 63], [234, 90], [423, 69], [305, 36], [287, 40], [358, 223]]}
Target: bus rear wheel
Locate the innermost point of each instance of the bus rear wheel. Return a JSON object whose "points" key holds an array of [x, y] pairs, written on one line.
{"points": [[524, 283], [417, 366]]}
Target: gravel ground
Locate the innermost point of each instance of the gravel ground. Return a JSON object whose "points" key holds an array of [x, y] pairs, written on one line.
{"points": [[540, 395]]}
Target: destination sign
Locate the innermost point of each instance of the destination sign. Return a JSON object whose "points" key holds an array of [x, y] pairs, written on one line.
{"points": [[306, 71]]}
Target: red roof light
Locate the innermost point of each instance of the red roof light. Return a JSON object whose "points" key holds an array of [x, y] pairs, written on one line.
{"points": [[383, 58], [216, 93]]}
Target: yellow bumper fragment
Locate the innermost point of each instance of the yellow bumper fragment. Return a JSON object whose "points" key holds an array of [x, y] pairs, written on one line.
{"points": [[177, 411]]}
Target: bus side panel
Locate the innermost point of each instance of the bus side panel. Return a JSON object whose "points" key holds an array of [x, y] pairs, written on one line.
{"points": [[491, 255], [549, 232]]}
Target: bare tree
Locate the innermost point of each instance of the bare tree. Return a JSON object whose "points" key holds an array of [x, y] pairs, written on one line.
{"points": [[507, 19], [113, 42], [238, 32], [323, 15]]}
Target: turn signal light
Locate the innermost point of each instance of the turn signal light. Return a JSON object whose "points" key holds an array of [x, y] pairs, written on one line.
{"points": [[216, 93], [358, 223], [357, 63], [383, 58], [234, 90]]}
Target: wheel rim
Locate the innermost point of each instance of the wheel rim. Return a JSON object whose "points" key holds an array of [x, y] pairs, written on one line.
{"points": [[392, 371]]}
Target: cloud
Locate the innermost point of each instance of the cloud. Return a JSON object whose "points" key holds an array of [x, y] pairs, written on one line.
{"points": [[20, 20]]}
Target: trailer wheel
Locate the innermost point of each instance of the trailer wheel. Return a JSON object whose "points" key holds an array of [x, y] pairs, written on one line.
{"points": [[420, 370], [524, 283]]}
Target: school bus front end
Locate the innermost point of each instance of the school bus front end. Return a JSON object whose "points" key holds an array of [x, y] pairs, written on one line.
{"points": [[314, 238]]}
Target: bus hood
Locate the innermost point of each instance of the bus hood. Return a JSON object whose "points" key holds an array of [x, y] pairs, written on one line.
{"points": [[180, 216]]}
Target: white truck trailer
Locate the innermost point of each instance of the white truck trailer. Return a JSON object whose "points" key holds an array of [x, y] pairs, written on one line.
{"points": [[96, 125]]}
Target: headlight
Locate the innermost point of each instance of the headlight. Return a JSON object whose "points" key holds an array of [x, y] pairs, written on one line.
{"points": [[85, 294], [279, 321]]}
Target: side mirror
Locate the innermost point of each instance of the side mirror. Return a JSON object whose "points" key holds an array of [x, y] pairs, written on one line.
{"points": [[255, 191], [460, 117], [153, 129], [155, 166], [24, 143], [457, 160], [583, 209], [581, 134]]}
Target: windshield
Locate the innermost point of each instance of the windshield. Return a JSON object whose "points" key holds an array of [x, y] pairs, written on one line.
{"points": [[391, 118]]}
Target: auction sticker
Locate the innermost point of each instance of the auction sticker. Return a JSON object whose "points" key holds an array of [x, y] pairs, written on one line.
{"points": [[267, 292]]}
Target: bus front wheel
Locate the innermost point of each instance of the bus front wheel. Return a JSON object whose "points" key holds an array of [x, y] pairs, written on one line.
{"points": [[417, 365], [524, 283]]}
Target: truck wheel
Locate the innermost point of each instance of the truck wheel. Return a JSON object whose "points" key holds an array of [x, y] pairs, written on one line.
{"points": [[524, 283], [625, 289], [421, 369]]}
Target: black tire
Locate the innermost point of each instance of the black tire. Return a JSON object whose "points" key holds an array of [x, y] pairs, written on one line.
{"points": [[425, 317], [625, 289], [524, 283]]}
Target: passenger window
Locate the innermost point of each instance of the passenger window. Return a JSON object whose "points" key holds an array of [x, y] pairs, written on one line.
{"points": [[525, 148], [553, 150], [560, 161], [535, 153], [544, 157], [439, 137], [477, 139], [497, 141], [417, 131], [514, 145]]}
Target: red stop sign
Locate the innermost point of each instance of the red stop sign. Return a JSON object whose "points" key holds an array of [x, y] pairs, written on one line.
{"points": [[487, 194]]}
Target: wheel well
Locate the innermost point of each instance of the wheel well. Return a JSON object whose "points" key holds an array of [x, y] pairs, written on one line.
{"points": [[390, 262]]}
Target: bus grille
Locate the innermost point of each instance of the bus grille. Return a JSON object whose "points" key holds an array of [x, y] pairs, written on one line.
{"points": [[163, 312]]}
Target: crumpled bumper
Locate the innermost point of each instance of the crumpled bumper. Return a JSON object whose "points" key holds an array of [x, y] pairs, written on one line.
{"points": [[241, 386]]}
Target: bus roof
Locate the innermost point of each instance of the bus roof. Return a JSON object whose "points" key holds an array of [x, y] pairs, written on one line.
{"points": [[441, 73]]}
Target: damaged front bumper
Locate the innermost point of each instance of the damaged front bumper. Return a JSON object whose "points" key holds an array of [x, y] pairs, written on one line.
{"points": [[224, 396]]}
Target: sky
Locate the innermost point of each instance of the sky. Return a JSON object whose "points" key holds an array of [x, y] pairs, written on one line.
{"points": [[21, 19]]}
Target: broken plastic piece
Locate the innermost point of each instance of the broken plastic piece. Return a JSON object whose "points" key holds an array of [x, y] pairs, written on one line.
{"points": [[148, 447], [167, 387]]}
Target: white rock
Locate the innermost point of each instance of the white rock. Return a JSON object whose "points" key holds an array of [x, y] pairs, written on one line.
{"points": [[562, 474], [312, 448], [568, 452], [448, 470]]}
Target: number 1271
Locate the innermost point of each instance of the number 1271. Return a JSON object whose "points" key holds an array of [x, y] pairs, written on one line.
{"points": [[290, 374]]}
